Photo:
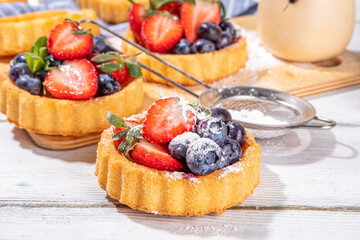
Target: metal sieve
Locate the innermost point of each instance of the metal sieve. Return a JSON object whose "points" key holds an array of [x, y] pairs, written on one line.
{"points": [[289, 111]]}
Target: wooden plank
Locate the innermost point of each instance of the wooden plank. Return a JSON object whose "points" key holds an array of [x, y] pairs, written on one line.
{"points": [[303, 168], [124, 223]]}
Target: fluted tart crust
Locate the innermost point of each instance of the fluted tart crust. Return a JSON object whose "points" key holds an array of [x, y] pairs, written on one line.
{"points": [[110, 10], [53, 116], [207, 67], [162, 192], [18, 33]]}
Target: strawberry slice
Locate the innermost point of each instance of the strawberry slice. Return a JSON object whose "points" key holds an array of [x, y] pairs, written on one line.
{"points": [[161, 32], [173, 8], [192, 16], [166, 119], [63, 44], [74, 80], [137, 13], [155, 156]]}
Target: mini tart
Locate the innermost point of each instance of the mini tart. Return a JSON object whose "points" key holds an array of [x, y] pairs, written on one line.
{"points": [[53, 116], [112, 11], [175, 193], [18, 33], [207, 67]]}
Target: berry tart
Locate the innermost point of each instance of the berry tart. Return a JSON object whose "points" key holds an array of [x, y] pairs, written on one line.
{"points": [[18, 33], [178, 159], [192, 35], [67, 82], [110, 10]]}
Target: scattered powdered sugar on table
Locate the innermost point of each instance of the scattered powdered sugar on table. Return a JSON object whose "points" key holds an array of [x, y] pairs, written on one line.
{"points": [[258, 58], [254, 116]]}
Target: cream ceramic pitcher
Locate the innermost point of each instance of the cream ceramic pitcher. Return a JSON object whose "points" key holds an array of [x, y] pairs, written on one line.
{"points": [[306, 30]]}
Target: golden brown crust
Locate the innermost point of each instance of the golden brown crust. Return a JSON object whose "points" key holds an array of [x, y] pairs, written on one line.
{"points": [[66, 117], [207, 67], [18, 33], [161, 192], [110, 10]]}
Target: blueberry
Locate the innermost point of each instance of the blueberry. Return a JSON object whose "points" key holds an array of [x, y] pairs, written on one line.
{"points": [[237, 132], [107, 85], [31, 84], [182, 47], [202, 46], [209, 31], [224, 41], [213, 128], [203, 156], [222, 114], [231, 153], [227, 26], [99, 45], [53, 61], [20, 58], [18, 70], [107, 49], [40, 74], [179, 145]]}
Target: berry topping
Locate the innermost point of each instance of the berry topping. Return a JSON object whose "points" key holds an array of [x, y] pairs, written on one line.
{"points": [[41, 74], [74, 80], [67, 41], [31, 84], [161, 32], [227, 26], [20, 58], [209, 31], [192, 16], [231, 153], [173, 8], [155, 156], [19, 69], [237, 132], [53, 62], [203, 46], [182, 47], [99, 45], [224, 41], [203, 156], [137, 15], [214, 129], [179, 145], [166, 119], [121, 75], [221, 114], [107, 85]]}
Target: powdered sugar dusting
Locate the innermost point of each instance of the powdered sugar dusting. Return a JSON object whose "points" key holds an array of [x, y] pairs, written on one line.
{"points": [[180, 175], [235, 168], [255, 117]]}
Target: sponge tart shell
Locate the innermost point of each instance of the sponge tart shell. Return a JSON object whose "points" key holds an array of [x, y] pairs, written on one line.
{"points": [[162, 192]]}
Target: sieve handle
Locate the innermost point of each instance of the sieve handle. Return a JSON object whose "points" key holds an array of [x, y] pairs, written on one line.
{"points": [[324, 123]]}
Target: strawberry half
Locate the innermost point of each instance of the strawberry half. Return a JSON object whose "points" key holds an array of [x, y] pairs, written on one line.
{"points": [[166, 119], [121, 75], [155, 156], [63, 44], [161, 32], [74, 80], [192, 16], [137, 13]]}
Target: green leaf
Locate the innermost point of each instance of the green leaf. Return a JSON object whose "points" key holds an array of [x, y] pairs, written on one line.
{"points": [[81, 31], [122, 146], [111, 67], [120, 134], [133, 135], [115, 120], [222, 9], [43, 52], [103, 58], [131, 1], [134, 69], [34, 62], [40, 42], [193, 2]]}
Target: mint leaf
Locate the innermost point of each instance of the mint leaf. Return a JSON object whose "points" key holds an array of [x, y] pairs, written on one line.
{"points": [[111, 67], [115, 120], [81, 32], [43, 52], [193, 2], [103, 58], [120, 134], [34, 62], [131, 1], [134, 70]]}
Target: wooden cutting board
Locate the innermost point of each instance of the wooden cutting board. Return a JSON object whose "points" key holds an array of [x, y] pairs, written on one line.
{"points": [[301, 79]]}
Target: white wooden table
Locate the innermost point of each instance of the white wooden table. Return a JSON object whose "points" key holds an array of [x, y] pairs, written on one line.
{"points": [[309, 189]]}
